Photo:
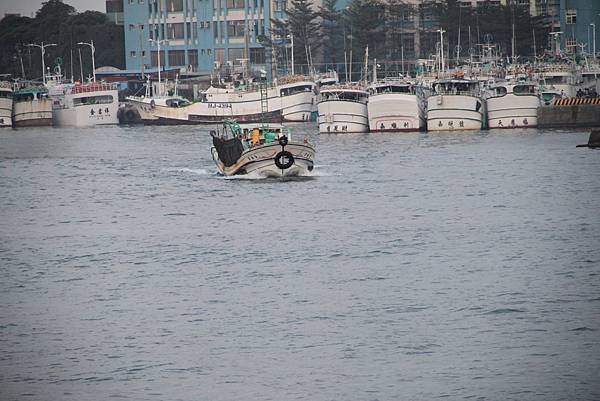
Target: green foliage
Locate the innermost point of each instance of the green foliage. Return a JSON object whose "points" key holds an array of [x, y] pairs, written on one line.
{"points": [[57, 22], [331, 31]]}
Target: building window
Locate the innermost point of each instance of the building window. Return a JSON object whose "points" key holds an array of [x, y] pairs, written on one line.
{"points": [[571, 16], [234, 55], [233, 4], [131, 27], [176, 57], [132, 53], [257, 55], [571, 45], [141, 1], [193, 59], [141, 26], [154, 58], [175, 31], [235, 29], [175, 6]]}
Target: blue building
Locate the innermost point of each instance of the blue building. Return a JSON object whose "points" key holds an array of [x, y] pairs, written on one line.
{"points": [[196, 35], [580, 22]]}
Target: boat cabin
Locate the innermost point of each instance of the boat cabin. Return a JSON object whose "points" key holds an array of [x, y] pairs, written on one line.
{"points": [[378, 89], [456, 87]]}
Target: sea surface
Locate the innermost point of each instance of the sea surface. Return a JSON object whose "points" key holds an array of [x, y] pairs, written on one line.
{"points": [[421, 266]]}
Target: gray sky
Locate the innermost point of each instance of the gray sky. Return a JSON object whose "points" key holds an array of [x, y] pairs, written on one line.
{"points": [[29, 7]]}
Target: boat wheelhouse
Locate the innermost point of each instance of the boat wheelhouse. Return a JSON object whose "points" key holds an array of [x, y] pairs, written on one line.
{"points": [[456, 104]]}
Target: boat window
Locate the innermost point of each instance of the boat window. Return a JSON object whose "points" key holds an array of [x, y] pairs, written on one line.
{"points": [[176, 102], [556, 80], [393, 89], [104, 99], [499, 91], [523, 89], [5, 94], [295, 89]]}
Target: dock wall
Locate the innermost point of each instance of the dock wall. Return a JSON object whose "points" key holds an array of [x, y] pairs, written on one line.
{"points": [[565, 116]]}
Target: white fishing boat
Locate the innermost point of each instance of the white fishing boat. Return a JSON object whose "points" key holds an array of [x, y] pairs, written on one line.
{"points": [[32, 106], [261, 151], [395, 105], [297, 95], [84, 105], [513, 105], [557, 80], [148, 108], [6, 104], [456, 104], [342, 109]]}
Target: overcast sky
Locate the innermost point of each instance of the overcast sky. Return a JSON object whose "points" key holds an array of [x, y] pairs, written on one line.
{"points": [[29, 7]]}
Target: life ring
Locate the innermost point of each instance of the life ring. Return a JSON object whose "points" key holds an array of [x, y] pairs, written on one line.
{"points": [[152, 104], [284, 160], [283, 140]]}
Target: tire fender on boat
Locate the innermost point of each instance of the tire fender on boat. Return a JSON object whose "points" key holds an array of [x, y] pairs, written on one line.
{"points": [[283, 141], [284, 160]]}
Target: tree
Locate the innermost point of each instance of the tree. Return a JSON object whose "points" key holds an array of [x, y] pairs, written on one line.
{"points": [[57, 22], [330, 30]]}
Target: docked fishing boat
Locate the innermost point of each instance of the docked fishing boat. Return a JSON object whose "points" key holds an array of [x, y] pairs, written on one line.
{"points": [[513, 105], [260, 150], [342, 109], [31, 106], [456, 104], [395, 105], [148, 108], [82, 105], [6, 104], [557, 80], [297, 95]]}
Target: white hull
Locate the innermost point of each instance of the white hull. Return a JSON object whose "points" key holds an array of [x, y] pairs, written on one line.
{"points": [[395, 112], [260, 161], [6, 105], [513, 111], [68, 111], [342, 116], [297, 100], [31, 113], [455, 112], [297, 107]]}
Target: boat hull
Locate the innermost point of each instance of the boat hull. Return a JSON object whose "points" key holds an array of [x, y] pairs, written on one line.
{"points": [[341, 116], [455, 113], [395, 112], [260, 161], [32, 113], [513, 111], [6, 105], [67, 112]]}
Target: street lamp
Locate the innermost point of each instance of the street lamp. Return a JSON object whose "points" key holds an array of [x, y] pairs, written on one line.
{"points": [[42, 46], [91, 44], [158, 42], [441, 31], [593, 39]]}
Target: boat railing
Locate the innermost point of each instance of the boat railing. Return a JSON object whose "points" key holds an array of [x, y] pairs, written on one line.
{"points": [[94, 87]]}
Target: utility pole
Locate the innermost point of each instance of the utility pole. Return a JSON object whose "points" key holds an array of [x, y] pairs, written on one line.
{"points": [[43, 47], [91, 45]]}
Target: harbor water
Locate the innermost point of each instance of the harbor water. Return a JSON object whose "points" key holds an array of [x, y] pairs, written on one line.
{"points": [[421, 266]]}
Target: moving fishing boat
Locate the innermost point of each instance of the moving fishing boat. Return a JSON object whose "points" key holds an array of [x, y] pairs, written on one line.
{"points": [[261, 150], [6, 104], [31, 106]]}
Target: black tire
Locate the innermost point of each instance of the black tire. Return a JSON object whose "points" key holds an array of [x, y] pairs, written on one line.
{"points": [[152, 104], [283, 141], [129, 116], [284, 160]]}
